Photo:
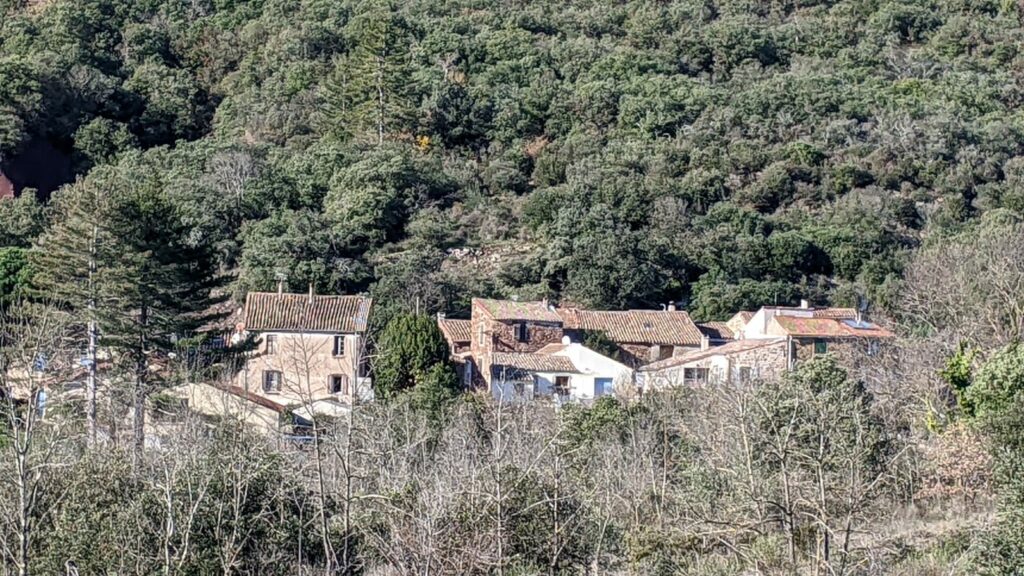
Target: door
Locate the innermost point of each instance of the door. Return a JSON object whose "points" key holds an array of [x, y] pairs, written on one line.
{"points": [[603, 387]]}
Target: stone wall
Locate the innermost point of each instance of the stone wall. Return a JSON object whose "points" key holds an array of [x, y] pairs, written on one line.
{"points": [[490, 336]]}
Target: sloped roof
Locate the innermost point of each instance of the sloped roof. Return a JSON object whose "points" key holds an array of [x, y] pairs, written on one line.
{"points": [[813, 312], [817, 327], [743, 316], [715, 330], [661, 327], [734, 347], [455, 331], [527, 362], [515, 310], [272, 312]]}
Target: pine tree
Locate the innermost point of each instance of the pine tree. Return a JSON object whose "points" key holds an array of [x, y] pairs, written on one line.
{"points": [[122, 263], [67, 260], [372, 90]]}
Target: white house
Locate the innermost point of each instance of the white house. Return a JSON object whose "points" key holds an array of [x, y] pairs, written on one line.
{"points": [[563, 372]]}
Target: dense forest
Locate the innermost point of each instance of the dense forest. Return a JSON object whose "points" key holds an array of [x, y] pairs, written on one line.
{"points": [[721, 154], [725, 154]]}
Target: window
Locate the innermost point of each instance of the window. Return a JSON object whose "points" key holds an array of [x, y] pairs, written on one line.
{"points": [[339, 345], [820, 347], [873, 347], [561, 387], [744, 373], [522, 332], [271, 381], [339, 384], [695, 375], [270, 343], [480, 333], [604, 387]]}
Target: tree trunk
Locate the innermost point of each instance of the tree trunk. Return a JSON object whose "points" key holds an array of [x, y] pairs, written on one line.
{"points": [[90, 384], [141, 383]]}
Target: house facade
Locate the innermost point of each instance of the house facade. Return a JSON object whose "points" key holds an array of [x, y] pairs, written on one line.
{"points": [[736, 362], [309, 347], [814, 331], [508, 326], [563, 372]]}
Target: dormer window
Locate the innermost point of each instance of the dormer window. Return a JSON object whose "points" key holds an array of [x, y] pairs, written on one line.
{"points": [[522, 332]]}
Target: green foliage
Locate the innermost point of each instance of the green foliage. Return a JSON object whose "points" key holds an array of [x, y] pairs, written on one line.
{"points": [[409, 349], [958, 374], [22, 219], [15, 275], [724, 154], [998, 383]]}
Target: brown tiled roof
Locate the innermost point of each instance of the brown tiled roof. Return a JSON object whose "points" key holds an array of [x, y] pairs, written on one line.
{"points": [[531, 362], [636, 326], [715, 330], [734, 347], [830, 328], [455, 331], [270, 311], [515, 310]]}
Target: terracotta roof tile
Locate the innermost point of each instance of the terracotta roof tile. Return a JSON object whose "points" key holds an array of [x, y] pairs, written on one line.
{"points": [[715, 330], [455, 331], [270, 311], [661, 327], [819, 327], [531, 362], [515, 310]]}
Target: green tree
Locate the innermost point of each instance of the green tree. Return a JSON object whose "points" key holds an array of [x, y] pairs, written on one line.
{"points": [[15, 275], [122, 260], [22, 219], [408, 349], [375, 81], [998, 383]]}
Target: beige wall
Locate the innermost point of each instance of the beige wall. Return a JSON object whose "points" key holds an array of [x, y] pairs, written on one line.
{"points": [[765, 362], [306, 362]]}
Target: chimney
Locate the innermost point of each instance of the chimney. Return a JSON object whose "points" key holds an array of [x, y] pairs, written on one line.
{"points": [[310, 292], [705, 342], [280, 287], [440, 315], [805, 304], [672, 306]]}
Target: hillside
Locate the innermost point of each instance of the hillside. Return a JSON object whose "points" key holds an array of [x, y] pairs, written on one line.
{"points": [[724, 154]]}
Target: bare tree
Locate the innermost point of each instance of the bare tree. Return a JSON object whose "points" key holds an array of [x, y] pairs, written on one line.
{"points": [[39, 436]]}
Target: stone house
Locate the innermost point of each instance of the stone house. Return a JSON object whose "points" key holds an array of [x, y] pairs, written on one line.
{"points": [[812, 331], [457, 333], [503, 326], [736, 362], [309, 347]]}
